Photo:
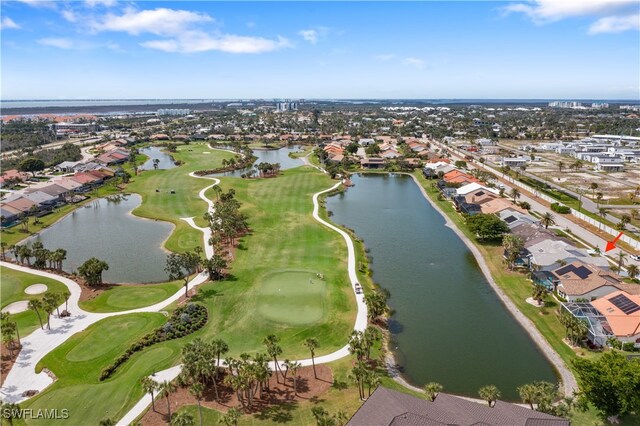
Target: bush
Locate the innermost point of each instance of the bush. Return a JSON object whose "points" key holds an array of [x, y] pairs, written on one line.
{"points": [[560, 208], [184, 321], [628, 346]]}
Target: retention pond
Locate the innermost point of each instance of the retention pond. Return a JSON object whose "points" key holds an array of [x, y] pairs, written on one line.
{"points": [[448, 324], [132, 246]]}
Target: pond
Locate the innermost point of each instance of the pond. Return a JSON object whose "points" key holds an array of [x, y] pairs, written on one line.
{"points": [[448, 325], [156, 153], [132, 246], [271, 156]]}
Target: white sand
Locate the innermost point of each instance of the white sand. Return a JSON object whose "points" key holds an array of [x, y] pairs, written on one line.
{"points": [[16, 307], [36, 289]]}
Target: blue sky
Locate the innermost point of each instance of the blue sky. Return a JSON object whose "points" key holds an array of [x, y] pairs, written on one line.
{"points": [[522, 49]]}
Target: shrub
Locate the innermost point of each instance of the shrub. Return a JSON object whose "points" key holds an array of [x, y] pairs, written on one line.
{"points": [[628, 346], [184, 321], [560, 208]]}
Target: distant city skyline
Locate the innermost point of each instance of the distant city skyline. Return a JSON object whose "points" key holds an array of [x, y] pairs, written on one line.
{"points": [[104, 49]]}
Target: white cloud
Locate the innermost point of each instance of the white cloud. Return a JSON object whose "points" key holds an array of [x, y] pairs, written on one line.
{"points": [[69, 15], [614, 15], [309, 35], [8, 24], [312, 35], [105, 3], [60, 43], [385, 57], [615, 24], [414, 62], [160, 21], [40, 3], [198, 41]]}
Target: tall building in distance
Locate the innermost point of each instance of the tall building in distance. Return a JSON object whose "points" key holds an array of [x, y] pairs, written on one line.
{"points": [[287, 105], [175, 111], [565, 104]]}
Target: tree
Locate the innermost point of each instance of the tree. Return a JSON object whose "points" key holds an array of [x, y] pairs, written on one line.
{"points": [[294, 366], [66, 295], [515, 194], [593, 187], [49, 304], [150, 386], [633, 271], [92, 270], [538, 292], [36, 305], [196, 390], [376, 302], [273, 349], [611, 383], [599, 196], [513, 246], [215, 267], [220, 348], [183, 418], [312, 344], [560, 166], [179, 266], [166, 388], [432, 389], [487, 226], [107, 422], [32, 165], [230, 418], [489, 393], [621, 259], [547, 220]]}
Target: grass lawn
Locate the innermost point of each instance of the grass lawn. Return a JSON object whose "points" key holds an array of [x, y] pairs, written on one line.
{"points": [[285, 245], [185, 202], [125, 297], [12, 285], [78, 362]]}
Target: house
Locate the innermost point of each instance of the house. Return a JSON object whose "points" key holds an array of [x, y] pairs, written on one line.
{"points": [[458, 177], [548, 255], [386, 407], [51, 189], [622, 313], [159, 137], [19, 203], [8, 214], [514, 218], [366, 141], [42, 199], [477, 188], [372, 163], [498, 205], [513, 162], [464, 207], [390, 153], [579, 280], [67, 166], [70, 184], [13, 176]]}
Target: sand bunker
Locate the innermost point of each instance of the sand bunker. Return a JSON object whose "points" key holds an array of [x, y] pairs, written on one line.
{"points": [[36, 289], [15, 307]]}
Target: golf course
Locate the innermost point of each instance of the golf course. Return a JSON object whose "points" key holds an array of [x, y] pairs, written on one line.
{"points": [[286, 276]]}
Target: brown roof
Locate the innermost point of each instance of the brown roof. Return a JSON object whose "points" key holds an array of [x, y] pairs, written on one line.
{"points": [[22, 204], [578, 278], [388, 407], [479, 196]]}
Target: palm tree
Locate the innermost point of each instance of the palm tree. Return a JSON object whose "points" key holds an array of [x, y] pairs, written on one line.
{"points": [[294, 366], [621, 256], [107, 422], [196, 390], [149, 386], [515, 194], [489, 393], [167, 388], [432, 389], [599, 196], [593, 187], [66, 294], [538, 293], [632, 271], [230, 418], [312, 344], [36, 305], [273, 349], [547, 220], [7, 336], [219, 347], [183, 418], [560, 166], [528, 393], [602, 212]]}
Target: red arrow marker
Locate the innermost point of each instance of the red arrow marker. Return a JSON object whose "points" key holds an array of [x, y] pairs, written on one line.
{"points": [[612, 244]]}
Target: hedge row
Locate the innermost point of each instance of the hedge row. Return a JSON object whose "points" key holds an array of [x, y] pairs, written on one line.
{"points": [[185, 320], [559, 208]]}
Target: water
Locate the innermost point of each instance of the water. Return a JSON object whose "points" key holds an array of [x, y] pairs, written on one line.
{"points": [[448, 326], [271, 156], [107, 230], [154, 152]]}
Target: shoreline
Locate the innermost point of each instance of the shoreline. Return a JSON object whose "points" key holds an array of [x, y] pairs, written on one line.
{"points": [[569, 383]]}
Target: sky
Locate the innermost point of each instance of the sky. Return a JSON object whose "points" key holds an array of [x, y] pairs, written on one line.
{"points": [[108, 49]]}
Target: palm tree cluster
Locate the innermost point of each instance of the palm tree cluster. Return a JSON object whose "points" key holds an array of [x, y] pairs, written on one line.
{"points": [[376, 302], [324, 418], [576, 328], [91, 270], [49, 302], [10, 332], [43, 258], [365, 372], [268, 169], [513, 246], [543, 395]]}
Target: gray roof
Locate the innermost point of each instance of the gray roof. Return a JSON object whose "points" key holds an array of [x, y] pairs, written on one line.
{"points": [[40, 197], [53, 189], [387, 407]]}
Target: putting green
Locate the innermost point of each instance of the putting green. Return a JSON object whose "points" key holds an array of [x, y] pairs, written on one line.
{"points": [[292, 297]]}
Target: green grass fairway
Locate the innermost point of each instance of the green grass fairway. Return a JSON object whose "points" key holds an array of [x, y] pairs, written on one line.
{"points": [[78, 362], [289, 297], [12, 285], [125, 297], [185, 202]]}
